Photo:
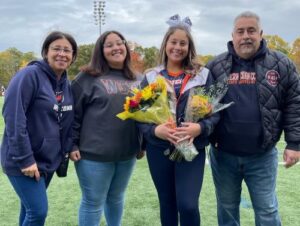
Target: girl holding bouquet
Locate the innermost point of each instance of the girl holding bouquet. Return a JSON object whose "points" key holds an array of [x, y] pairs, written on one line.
{"points": [[105, 147], [178, 184]]}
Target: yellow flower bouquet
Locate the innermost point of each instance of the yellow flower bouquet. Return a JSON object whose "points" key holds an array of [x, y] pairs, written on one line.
{"points": [[155, 103]]}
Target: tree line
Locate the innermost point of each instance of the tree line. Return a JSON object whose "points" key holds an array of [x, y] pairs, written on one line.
{"points": [[11, 60]]}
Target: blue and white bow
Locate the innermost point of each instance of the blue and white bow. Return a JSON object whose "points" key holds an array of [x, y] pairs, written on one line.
{"points": [[175, 21]]}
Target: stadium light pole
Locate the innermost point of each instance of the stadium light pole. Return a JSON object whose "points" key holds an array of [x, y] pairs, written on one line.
{"points": [[99, 15]]}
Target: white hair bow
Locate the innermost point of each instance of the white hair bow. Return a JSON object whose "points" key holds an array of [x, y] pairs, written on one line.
{"points": [[175, 21]]}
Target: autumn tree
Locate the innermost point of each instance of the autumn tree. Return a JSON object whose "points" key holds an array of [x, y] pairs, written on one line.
{"points": [[26, 58], [83, 58], [11, 60], [204, 59], [277, 43], [149, 56], [295, 53], [137, 61], [6, 70]]}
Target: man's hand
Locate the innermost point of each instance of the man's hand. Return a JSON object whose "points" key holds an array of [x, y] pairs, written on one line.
{"points": [[290, 157]]}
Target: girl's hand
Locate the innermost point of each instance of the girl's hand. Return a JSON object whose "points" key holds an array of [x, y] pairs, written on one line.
{"points": [[190, 139], [188, 131], [166, 131]]}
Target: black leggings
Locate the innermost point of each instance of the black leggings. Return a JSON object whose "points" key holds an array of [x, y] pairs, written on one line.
{"points": [[178, 185]]}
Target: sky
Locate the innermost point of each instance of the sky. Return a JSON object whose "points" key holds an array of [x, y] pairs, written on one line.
{"points": [[24, 24]]}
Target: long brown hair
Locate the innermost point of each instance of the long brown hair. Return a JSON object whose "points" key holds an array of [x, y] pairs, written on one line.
{"points": [[190, 64], [98, 64]]}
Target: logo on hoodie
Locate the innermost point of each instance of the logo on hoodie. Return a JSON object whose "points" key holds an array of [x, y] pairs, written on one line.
{"points": [[59, 96], [116, 86], [272, 77], [242, 78]]}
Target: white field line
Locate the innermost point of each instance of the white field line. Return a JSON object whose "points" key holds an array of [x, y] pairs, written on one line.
{"points": [[281, 142], [279, 163]]}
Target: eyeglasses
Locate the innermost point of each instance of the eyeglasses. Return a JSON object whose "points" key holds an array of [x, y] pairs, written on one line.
{"points": [[111, 44], [59, 50]]}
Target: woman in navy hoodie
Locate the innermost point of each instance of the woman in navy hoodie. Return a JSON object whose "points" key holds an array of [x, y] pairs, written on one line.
{"points": [[38, 115]]}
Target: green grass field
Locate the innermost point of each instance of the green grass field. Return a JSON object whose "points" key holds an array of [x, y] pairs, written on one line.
{"points": [[141, 201], [1, 118]]}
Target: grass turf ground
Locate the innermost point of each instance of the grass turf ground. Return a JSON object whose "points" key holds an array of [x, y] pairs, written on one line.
{"points": [[141, 208]]}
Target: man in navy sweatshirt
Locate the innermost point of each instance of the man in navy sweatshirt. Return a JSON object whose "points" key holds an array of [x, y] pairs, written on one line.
{"points": [[265, 87]]}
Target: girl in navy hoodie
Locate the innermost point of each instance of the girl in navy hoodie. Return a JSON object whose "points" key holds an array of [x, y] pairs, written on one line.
{"points": [[38, 115], [178, 184]]}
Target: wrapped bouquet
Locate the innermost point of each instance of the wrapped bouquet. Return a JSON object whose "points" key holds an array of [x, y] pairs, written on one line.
{"points": [[201, 104], [205, 102], [155, 103]]}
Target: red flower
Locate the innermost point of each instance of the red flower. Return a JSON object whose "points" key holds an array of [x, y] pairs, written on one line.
{"points": [[133, 104]]}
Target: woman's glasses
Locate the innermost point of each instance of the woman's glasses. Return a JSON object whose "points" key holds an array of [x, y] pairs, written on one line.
{"points": [[60, 50]]}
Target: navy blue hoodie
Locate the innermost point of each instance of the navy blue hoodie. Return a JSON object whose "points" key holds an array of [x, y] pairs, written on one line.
{"points": [[240, 130], [32, 132]]}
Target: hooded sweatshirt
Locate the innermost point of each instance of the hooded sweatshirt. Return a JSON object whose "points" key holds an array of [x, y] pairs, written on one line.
{"points": [[98, 133], [33, 133], [240, 129]]}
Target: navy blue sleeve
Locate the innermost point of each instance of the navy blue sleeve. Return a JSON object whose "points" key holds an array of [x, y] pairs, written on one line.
{"points": [[18, 98], [67, 135], [291, 112]]}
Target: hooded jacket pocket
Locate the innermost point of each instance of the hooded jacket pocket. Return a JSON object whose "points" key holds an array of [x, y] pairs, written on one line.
{"points": [[49, 152]]}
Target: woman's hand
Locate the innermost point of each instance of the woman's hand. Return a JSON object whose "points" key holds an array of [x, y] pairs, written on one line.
{"points": [[188, 131], [166, 131], [140, 154], [32, 171], [75, 155]]}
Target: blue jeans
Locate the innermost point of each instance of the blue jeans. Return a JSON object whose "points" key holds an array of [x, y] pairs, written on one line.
{"points": [[259, 173], [178, 186], [103, 186], [33, 197]]}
